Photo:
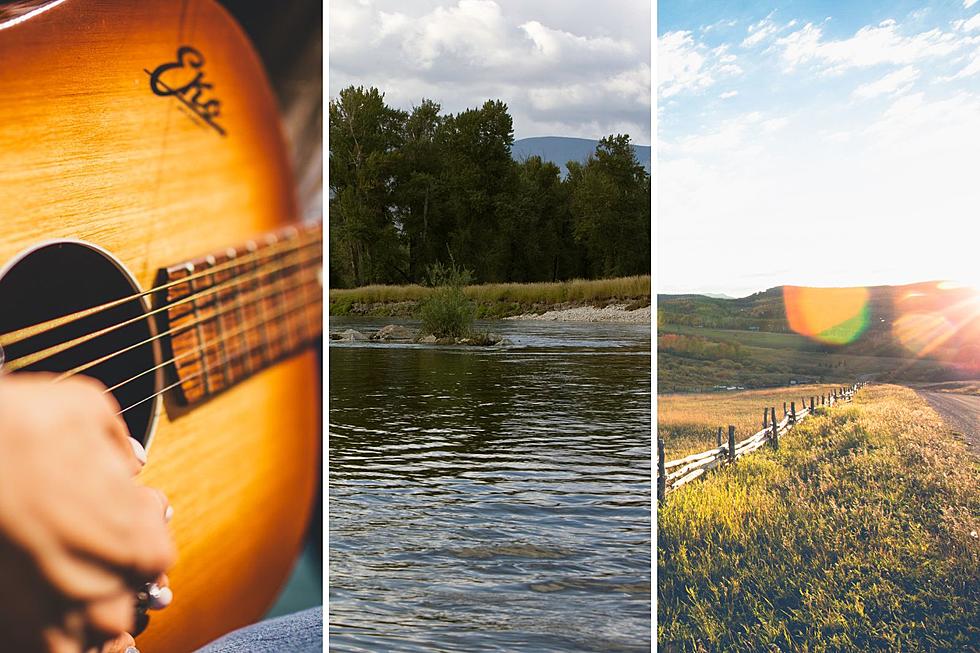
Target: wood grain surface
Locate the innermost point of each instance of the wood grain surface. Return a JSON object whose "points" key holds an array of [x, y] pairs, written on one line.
{"points": [[88, 151]]}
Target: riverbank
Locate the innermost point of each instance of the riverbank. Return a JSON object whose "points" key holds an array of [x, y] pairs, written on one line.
{"points": [[598, 300], [610, 313]]}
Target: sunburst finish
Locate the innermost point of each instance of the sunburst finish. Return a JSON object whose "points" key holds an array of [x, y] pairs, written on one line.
{"points": [[89, 151]]}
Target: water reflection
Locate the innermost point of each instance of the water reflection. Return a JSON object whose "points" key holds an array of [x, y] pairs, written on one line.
{"points": [[492, 499]]}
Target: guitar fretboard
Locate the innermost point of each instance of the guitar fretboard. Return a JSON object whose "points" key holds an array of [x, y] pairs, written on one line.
{"points": [[243, 309]]}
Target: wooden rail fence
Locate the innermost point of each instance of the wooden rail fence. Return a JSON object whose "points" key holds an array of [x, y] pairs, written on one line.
{"points": [[674, 474]]}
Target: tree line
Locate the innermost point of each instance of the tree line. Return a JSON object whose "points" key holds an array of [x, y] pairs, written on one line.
{"points": [[414, 189]]}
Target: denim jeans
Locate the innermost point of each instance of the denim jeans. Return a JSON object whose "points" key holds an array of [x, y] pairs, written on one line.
{"points": [[301, 632]]}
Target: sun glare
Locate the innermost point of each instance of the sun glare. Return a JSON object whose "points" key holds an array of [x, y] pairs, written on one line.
{"points": [[941, 321]]}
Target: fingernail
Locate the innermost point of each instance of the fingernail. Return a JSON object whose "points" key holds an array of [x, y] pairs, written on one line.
{"points": [[160, 597], [132, 649], [138, 450], [168, 514]]}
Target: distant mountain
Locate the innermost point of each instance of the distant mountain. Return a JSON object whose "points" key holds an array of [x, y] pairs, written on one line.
{"points": [[560, 150], [717, 295]]}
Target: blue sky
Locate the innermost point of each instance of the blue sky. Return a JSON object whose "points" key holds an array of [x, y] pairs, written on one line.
{"points": [[817, 143]]}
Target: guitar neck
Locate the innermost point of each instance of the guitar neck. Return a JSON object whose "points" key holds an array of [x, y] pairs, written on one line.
{"points": [[234, 313]]}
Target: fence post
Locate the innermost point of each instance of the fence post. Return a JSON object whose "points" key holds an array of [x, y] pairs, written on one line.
{"points": [[813, 404], [765, 417], [792, 412], [775, 431], [731, 443], [661, 471], [784, 409], [720, 429]]}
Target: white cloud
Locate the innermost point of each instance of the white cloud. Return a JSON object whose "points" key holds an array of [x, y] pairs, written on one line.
{"points": [[894, 83], [728, 94], [872, 45], [774, 124], [685, 65], [969, 70], [560, 45], [969, 3], [968, 24], [563, 68], [758, 32]]}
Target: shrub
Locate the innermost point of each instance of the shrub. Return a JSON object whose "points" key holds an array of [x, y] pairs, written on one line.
{"points": [[446, 312]]}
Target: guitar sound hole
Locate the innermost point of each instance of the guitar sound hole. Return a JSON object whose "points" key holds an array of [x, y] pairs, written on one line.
{"points": [[62, 278]]}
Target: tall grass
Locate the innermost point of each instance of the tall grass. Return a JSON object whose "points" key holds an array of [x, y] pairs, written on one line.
{"points": [[516, 296], [858, 534], [447, 312]]}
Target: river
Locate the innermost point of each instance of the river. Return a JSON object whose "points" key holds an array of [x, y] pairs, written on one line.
{"points": [[491, 499]]}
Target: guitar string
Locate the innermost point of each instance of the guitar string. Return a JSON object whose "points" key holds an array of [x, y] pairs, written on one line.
{"points": [[270, 251], [203, 347], [29, 359], [224, 361], [251, 259], [235, 307], [43, 354]]}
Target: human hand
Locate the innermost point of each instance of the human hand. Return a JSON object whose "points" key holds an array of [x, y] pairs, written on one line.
{"points": [[77, 533]]}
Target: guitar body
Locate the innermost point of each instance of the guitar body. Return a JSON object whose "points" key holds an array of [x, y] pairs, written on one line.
{"points": [[90, 151]]}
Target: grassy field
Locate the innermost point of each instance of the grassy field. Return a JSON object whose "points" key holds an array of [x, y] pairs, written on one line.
{"points": [[688, 423], [860, 533], [495, 299], [775, 359]]}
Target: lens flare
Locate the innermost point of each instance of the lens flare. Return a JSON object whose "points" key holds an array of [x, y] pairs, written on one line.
{"points": [[831, 315], [940, 321]]}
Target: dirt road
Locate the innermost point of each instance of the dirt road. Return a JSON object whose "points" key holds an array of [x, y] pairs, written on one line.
{"points": [[961, 412]]}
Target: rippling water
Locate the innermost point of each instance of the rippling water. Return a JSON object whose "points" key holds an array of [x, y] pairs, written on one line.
{"points": [[491, 499]]}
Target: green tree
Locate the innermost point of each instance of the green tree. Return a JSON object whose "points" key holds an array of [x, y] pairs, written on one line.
{"points": [[610, 206], [364, 136], [419, 166], [479, 178]]}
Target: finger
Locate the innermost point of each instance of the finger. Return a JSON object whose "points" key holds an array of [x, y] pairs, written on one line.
{"points": [[127, 535], [79, 578], [131, 449], [56, 640], [113, 615], [119, 644], [154, 551], [165, 508]]}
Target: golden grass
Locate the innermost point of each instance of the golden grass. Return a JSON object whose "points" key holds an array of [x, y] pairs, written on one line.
{"points": [[688, 423], [860, 533], [525, 294]]}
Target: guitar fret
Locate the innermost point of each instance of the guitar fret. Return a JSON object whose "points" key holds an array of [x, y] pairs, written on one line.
{"points": [[184, 338], [269, 345], [232, 254], [311, 316], [278, 298], [251, 308], [293, 258], [199, 331], [218, 320]]}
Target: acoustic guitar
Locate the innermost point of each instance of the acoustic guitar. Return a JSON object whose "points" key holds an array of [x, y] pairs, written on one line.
{"points": [[149, 238]]}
